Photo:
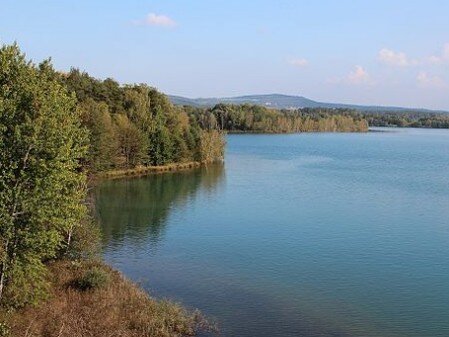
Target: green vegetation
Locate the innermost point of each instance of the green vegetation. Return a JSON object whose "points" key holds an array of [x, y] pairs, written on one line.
{"points": [[54, 130], [255, 118], [42, 185], [93, 278], [409, 119], [135, 125]]}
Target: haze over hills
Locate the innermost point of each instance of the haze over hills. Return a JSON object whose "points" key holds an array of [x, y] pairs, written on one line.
{"points": [[278, 101]]}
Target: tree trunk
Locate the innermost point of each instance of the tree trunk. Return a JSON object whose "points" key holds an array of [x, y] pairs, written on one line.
{"points": [[2, 280], [3, 269]]}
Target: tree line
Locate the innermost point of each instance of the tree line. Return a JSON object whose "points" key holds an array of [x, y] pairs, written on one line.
{"points": [[255, 118], [408, 119], [134, 125]]}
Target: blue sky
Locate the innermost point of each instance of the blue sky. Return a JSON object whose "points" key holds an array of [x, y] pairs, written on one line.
{"points": [[365, 52]]}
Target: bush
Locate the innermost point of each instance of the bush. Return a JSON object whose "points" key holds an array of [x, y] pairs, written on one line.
{"points": [[85, 241], [4, 330], [93, 279]]}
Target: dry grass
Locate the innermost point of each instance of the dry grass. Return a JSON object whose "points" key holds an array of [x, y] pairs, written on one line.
{"points": [[120, 308], [145, 170]]}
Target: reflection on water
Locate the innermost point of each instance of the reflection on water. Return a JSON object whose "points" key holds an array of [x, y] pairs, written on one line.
{"points": [[136, 210]]}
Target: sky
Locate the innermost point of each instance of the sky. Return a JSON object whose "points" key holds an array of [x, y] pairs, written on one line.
{"points": [[346, 51]]}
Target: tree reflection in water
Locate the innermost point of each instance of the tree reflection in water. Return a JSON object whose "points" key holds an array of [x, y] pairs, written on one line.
{"points": [[137, 209]]}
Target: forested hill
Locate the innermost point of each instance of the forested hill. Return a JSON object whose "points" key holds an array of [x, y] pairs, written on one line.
{"points": [[277, 101]]}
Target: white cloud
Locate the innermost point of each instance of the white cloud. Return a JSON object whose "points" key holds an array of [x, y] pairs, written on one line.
{"points": [[393, 58], [400, 59], [358, 76], [442, 58], [298, 62], [429, 81], [160, 20]]}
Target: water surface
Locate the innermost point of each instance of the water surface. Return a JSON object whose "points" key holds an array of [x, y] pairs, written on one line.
{"points": [[296, 235]]}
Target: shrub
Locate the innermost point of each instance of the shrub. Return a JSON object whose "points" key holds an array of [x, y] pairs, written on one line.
{"points": [[4, 330], [93, 279]]}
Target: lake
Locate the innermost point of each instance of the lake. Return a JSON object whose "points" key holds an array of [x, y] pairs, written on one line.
{"points": [[296, 235]]}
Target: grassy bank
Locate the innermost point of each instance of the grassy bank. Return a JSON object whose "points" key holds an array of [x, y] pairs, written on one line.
{"points": [[104, 303], [91, 299], [145, 170]]}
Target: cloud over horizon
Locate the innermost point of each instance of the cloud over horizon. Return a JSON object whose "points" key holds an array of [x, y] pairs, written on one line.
{"points": [[430, 81], [392, 58], [358, 76], [298, 62], [153, 19], [400, 59]]}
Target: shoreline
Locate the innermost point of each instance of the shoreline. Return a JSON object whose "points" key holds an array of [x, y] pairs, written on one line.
{"points": [[166, 318], [142, 171], [249, 132], [77, 311]]}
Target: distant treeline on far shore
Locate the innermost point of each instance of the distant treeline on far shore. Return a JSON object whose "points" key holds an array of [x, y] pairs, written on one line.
{"points": [[256, 118], [412, 119]]}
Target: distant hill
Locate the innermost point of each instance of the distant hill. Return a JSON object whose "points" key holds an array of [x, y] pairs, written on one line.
{"points": [[278, 101]]}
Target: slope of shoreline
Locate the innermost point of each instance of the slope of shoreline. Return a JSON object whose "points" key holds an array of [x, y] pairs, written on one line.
{"points": [[146, 170], [118, 307]]}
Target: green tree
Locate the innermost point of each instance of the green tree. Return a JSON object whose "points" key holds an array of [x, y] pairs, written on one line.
{"points": [[104, 146], [131, 140], [42, 187], [148, 129], [161, 142]]}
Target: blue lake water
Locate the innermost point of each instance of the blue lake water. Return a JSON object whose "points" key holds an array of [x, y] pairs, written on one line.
{"points": [[296, 235]]}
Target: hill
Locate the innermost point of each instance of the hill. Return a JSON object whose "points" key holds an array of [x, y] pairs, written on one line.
{"points": [[278, 101]]}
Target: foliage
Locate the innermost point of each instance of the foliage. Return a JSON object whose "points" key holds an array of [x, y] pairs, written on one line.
{"points": [[93, 278], [408, 119], [254, 118], [211, 145], [4, 330], [134, 125], [84, 241], [42, 186], [47, 122]]}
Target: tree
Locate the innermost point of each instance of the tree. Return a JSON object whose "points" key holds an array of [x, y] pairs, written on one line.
{"points": [[148, 129], [42, 186], [161, 143], [131, 140], [211, 145], [104, 147]]}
